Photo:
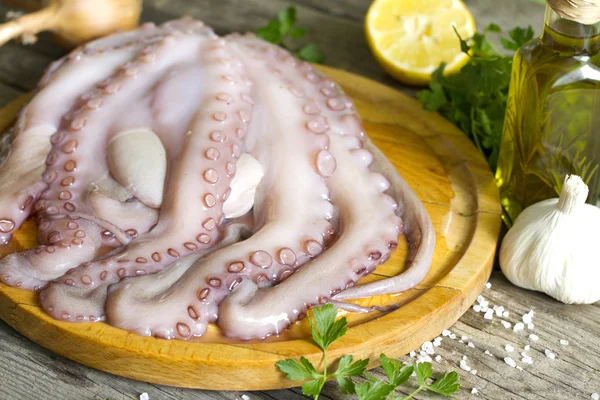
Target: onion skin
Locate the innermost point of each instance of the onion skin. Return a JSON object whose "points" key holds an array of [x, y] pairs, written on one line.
{"points": [[73, 22]]}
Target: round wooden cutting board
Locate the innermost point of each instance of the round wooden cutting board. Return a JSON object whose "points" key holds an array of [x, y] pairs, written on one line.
{"points": [[458, 190]]}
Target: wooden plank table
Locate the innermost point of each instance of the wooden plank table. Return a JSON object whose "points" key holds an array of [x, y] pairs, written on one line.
{"points": [[30, 372]]}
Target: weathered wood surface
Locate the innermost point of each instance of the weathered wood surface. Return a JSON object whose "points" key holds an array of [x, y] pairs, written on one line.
{"points": [[30, 372]]}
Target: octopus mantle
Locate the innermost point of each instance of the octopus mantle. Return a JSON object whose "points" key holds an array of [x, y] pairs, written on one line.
{"points": [[179, 179]]}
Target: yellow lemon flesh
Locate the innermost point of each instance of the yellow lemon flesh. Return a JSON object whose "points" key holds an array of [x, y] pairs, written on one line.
{"points": [[410, 38]]}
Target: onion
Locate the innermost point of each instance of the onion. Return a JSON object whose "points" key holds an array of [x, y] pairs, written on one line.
{"points": [[73, 21]]}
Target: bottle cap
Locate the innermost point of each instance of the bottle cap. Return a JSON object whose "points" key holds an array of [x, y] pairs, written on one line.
{"points": [[585, 12]]}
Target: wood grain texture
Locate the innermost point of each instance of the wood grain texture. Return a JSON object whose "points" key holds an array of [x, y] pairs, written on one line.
{"points": [[459, 193], [30, 372]]}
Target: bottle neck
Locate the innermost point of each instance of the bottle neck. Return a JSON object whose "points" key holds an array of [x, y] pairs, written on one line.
{"points": [[570, 36]]}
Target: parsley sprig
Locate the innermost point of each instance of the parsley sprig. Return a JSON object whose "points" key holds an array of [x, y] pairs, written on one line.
{"points": [[325, 330], [474, 99], [283, 30]]}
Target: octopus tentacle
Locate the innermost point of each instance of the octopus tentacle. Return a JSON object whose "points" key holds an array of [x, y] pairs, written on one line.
{"points": [[418, 229], [369, 229], [288, 146], [69, 175]]}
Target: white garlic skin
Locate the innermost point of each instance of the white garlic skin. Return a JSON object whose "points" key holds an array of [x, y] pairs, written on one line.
{"points": [[556, 251]]}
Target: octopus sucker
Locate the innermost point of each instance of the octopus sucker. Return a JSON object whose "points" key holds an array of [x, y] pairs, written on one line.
{"points": [[182, 179]]}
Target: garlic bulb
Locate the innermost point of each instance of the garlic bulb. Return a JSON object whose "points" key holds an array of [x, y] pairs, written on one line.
{"points": [[553, 248]]}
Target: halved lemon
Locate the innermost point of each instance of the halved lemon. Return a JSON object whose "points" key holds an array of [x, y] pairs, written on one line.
{"points": [[410, 38]]}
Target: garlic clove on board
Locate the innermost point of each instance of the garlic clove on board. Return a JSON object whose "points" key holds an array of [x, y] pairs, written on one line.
{"points": [[552, 247]]}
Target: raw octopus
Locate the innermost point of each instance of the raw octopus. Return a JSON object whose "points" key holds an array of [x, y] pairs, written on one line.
{"points": [[180, 179]]}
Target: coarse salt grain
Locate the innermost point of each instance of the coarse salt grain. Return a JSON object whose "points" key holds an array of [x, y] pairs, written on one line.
{"points": [[489, 314], [477, 308], [510, 362], [526, 359], [530, 325], [422, 359], [144, 396], [446, 332], [505, 324], [563, 342], [595, 396], [519, 368], [527, 347], [452, 336], [427, 347], [474, 371], [438, 358], [550, 354], [480, 299], [471, 345], [463, 338], [505, 314], [245, 397], [487, 353], [488, 285], [509, 348], [534, 337], [474, 391], [461, 341], [527, 318], [499, 311], [437, 341], [412, 354], [519, 326], [464, 366]]}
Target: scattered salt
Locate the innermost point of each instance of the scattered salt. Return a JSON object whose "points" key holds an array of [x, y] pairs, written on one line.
{"points": [[509, 348], [464, 366], [563, 342], [499, 311], [446, 332], [144, 396], [463, 338], [527, 347], [527, 318], [519, 326], [412, 354], [595, 396], [505, 324], [510, 362], [550, 354], [464, 357], [474, 391], [519, 368], [488, 285], [534, 337], [437, 341], [526, 359], [530, 325], [477, 308], [480, 299], [422, 353], [487, 353], [461, 341], [505, 314], [452, 336], [422, 359], [474, 371], [438, 358], [245, 397], [489, 314], [471, 345], [427, 347]]}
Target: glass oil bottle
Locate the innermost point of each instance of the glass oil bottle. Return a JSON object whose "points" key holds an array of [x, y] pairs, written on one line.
{"points": [[552, 123]]}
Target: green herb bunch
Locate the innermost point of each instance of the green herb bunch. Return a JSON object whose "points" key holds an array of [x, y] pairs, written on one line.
{"points": [[283, 30], [474, 99], [325, 330]]}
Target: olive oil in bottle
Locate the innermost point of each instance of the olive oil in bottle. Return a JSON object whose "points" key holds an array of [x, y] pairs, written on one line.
{"points": [[552, 124]]}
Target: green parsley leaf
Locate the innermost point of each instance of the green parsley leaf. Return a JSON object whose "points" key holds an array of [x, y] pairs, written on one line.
{"points": [[283, 30], [396, 372], [286, 18], [326, 329], [297, 371], [311, 53], [519, 37], [446, 385], [494, 27], [348, 368], [424, 371], [314, 387], [270, 32], [378, 390]]}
